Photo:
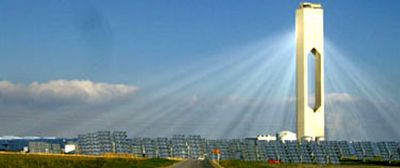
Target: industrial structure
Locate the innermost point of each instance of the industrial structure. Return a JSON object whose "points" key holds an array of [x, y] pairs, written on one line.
{"points": [[103, 142], [304, 147], [310, 42], [283, 147]]}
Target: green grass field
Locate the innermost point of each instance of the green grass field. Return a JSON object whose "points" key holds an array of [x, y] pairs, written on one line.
{"points": [[259, 164], [48, 161]]}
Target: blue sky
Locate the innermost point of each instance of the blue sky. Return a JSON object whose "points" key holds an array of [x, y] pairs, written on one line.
{"points": [[145, 44], [139, 37]]}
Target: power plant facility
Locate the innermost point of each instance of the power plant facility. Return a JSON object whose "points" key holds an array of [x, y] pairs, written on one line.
{"points": [[310, 43], [308, 145], [283, 147]]}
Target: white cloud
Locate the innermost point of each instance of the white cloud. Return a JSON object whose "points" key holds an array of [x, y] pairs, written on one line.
{"points": [[63, 92], [233, 99], [340, 97], [332, 97]]}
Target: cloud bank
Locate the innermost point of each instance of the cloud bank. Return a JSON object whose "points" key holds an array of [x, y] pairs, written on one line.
{"points": [[63, 93]]}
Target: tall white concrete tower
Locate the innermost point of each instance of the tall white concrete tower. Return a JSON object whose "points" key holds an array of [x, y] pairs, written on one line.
{"points": [[310, 43]]}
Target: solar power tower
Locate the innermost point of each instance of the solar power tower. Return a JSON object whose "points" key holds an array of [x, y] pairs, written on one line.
{"points": [[310, 43]]}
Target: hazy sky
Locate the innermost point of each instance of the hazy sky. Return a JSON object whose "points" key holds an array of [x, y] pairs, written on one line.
{"points": [[157, 68]]}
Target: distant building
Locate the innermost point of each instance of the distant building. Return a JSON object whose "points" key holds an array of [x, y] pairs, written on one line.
{"points": [[287, 136], [266, 138], [21, 143], [70, 148]]}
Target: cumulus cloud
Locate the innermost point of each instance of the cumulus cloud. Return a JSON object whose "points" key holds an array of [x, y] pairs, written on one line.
{"points": [[63, 92]]}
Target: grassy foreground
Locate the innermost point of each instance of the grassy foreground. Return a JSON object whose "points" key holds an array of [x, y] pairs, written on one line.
{"points": [[50, 161], [259, 164]]}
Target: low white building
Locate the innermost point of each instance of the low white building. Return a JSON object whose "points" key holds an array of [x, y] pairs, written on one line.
{"points": [[70, 148], [287, 136], [266, 138]]}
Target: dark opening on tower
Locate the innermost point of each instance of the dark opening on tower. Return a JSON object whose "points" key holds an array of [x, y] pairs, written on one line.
{"points": [[314, 79]]}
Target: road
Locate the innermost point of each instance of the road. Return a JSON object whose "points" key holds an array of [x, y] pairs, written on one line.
{"points": [[192, 164]]}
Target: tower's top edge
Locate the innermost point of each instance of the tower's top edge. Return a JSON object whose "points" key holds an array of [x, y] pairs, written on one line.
{"points": [[310, 5]]}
